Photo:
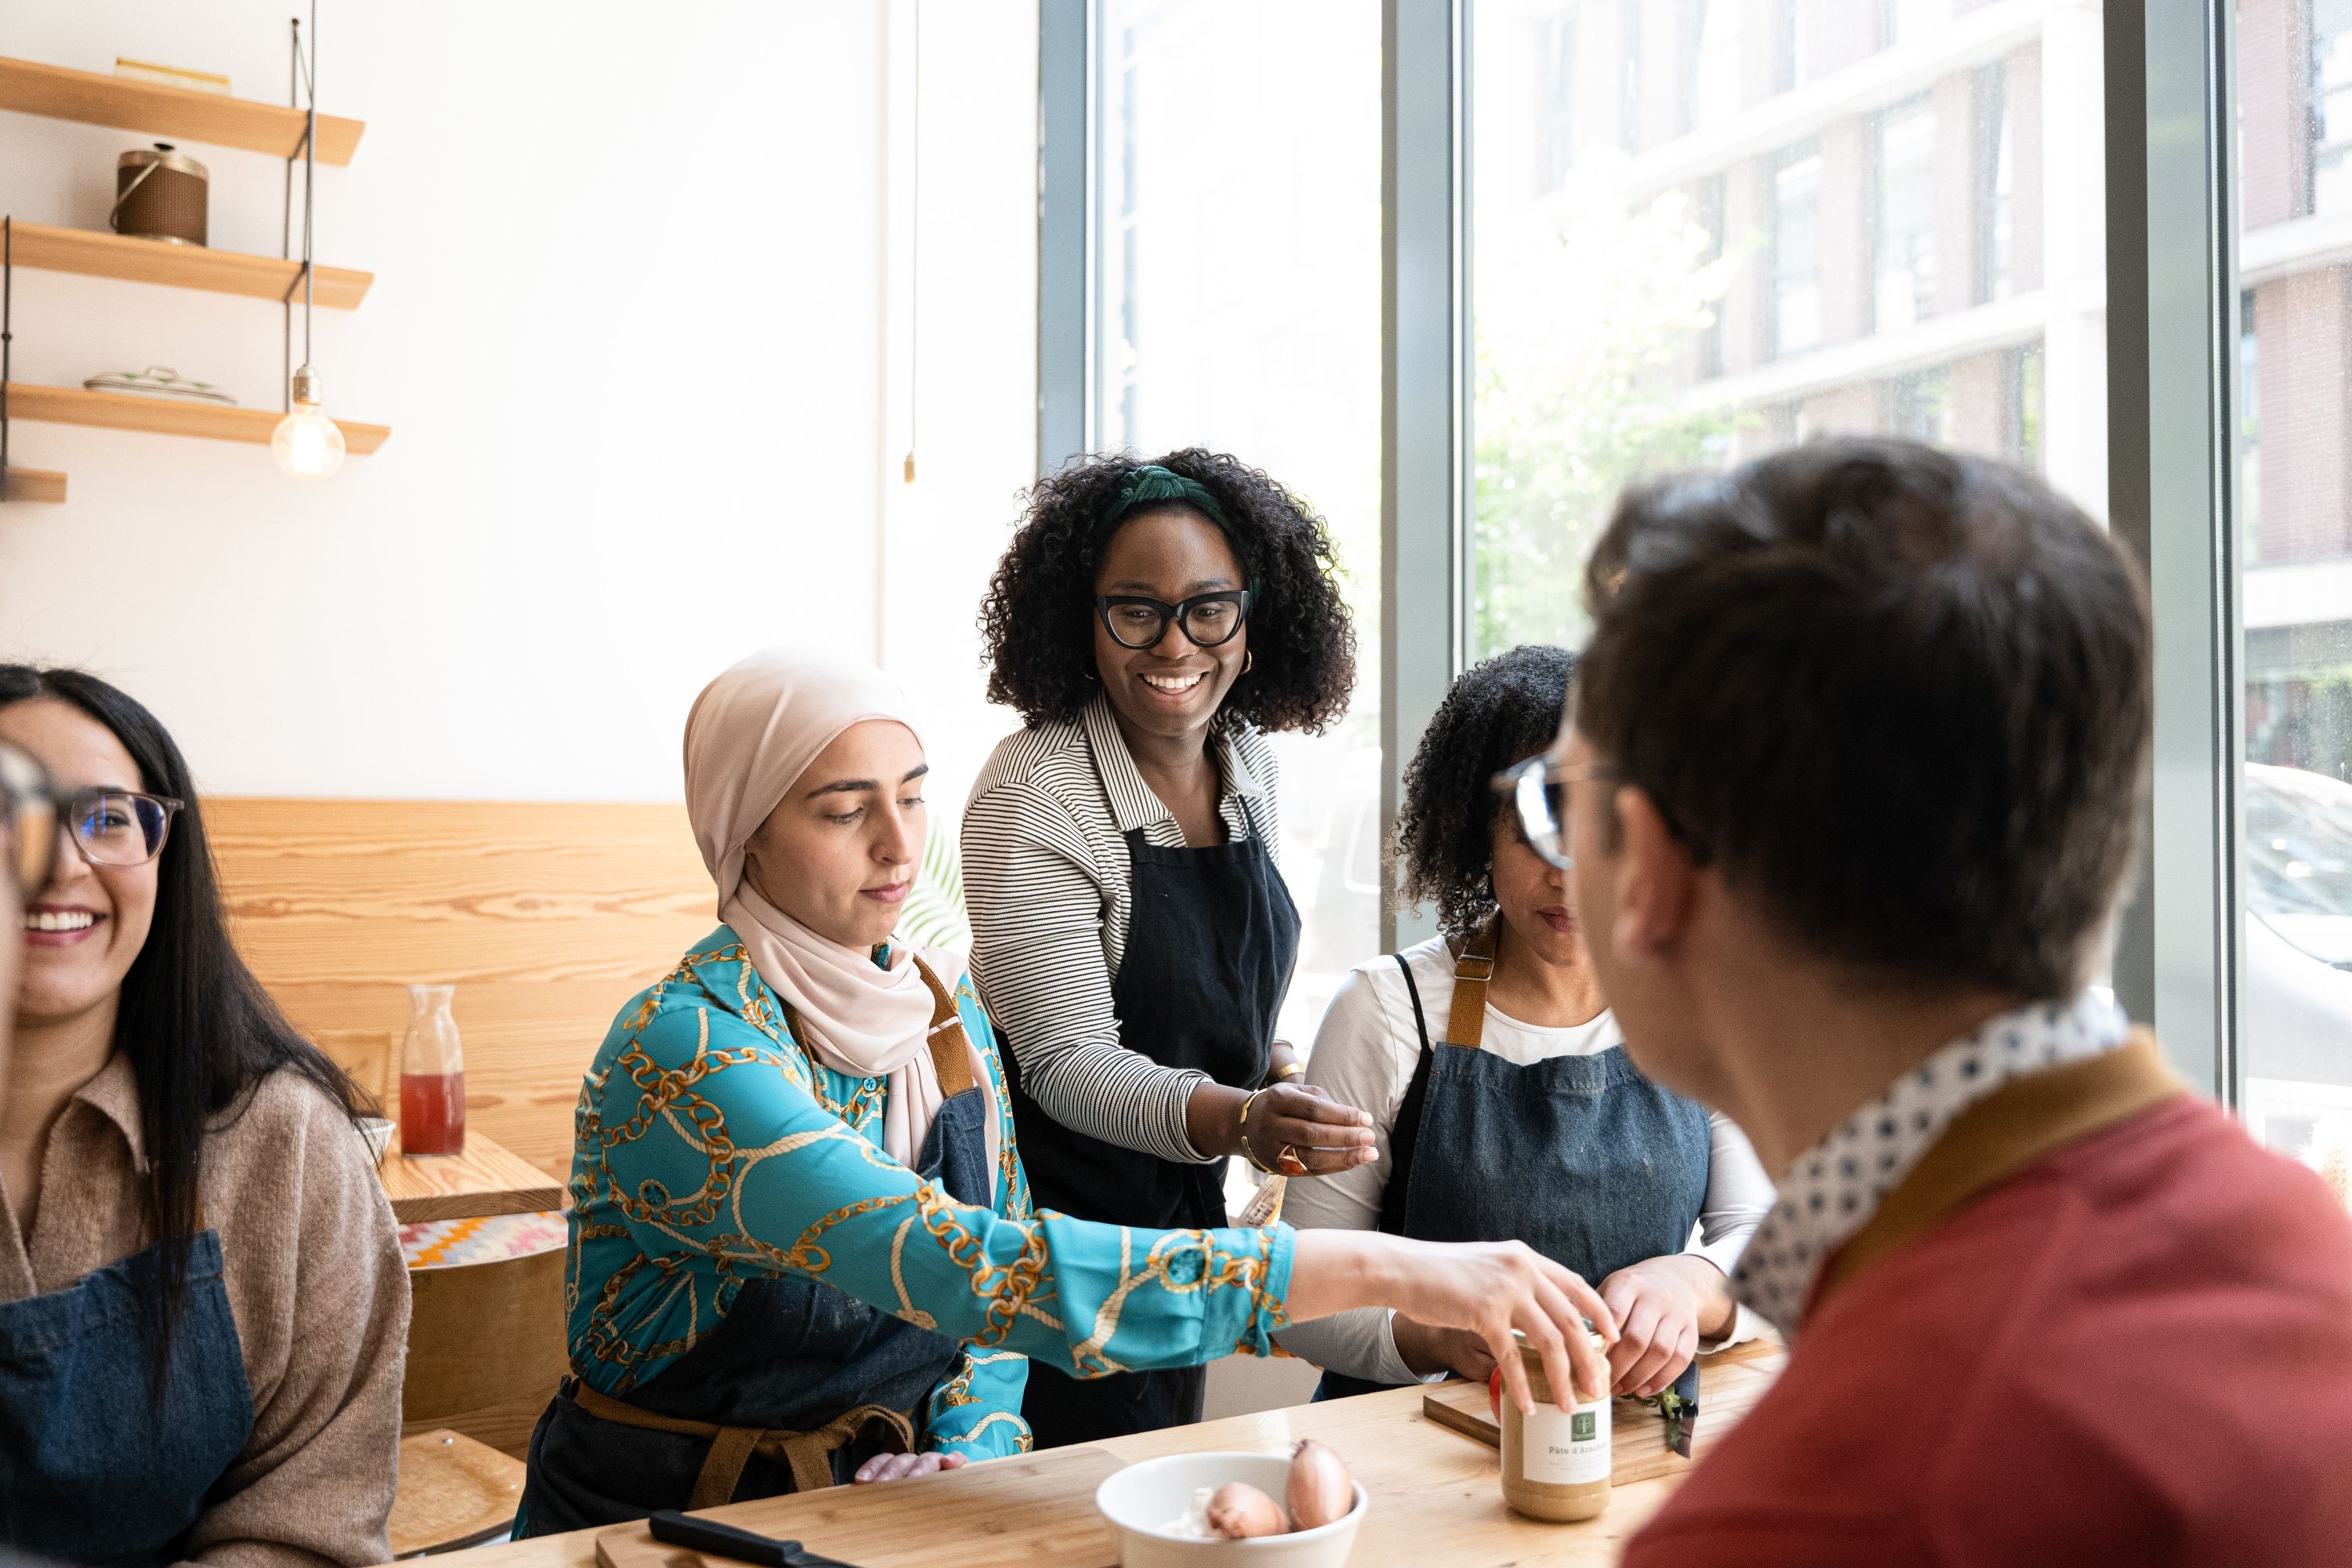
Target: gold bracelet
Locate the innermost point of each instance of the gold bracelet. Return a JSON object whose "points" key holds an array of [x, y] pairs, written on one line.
{"points": [[1289, 1071], [1247, 1153]]}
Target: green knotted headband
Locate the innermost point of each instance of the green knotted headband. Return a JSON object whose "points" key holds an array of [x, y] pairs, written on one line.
{"points": [[1152, 485]]}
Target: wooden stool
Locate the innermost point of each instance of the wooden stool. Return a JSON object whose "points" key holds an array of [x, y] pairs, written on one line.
{"points": [[452, 1492], [486, 1348]]}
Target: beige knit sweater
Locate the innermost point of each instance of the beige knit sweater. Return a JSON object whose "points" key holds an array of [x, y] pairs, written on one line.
{"points": [[313, 1272]]}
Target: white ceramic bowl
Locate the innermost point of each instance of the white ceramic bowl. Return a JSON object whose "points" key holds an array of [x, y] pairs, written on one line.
{"points": [[1141, 1500]]}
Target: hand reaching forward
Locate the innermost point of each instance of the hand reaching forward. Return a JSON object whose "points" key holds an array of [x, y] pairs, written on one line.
{"points": [[1487, 1288]]}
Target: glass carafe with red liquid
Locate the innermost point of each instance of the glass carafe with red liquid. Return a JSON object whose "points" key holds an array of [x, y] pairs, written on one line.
{"points": [[432, 1075]]}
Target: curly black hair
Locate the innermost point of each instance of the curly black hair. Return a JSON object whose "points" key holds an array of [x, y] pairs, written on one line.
{"points": [[1499, 713], [1037, 619]]}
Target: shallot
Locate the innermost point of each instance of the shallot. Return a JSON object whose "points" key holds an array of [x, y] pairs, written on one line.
{"points": [[1320, 1489], [1239, 1510]]}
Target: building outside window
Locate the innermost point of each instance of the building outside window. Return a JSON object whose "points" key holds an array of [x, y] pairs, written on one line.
{"points": [[1906, 207], [2330, 105], [1720, 296], [1795, 324]]}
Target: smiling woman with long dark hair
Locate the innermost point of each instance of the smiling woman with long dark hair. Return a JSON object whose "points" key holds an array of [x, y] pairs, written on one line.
{"points": [[202, 1309]]}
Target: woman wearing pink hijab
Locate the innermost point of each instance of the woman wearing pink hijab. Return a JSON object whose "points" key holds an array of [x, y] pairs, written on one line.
{"points": [[802, 1249]]}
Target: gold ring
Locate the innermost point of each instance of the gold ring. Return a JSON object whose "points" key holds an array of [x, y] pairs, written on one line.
{"points": [[1288, 1162]]}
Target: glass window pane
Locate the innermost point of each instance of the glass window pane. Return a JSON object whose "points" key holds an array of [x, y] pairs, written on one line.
{"points": [[1239, 297], [1914, 245], [2295, 524], [1906, 215]]}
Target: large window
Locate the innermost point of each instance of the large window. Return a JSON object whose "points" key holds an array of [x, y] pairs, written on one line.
{"points": [[1705, 229], [2295, 525], [1237, 281], [1880, 263]]}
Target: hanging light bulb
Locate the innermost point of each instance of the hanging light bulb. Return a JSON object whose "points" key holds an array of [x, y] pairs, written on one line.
{"points": [[307, 444]]}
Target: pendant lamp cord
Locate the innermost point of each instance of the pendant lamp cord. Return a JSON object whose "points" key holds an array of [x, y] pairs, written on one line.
{"points": [[310, 167], [915, 255]]}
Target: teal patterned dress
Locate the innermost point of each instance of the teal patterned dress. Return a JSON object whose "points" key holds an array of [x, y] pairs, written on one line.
{"points": [[711, 1150]]}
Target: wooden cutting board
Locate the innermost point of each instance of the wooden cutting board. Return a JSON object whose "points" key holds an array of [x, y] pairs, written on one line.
{"points": [[1729, 1383], [1035, 1511]]}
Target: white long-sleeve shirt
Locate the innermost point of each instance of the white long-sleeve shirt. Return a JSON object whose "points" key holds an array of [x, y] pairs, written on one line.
{"points": [[1364, 1056]]}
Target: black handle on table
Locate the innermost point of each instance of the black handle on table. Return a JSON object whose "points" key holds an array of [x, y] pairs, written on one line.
{"points": [[674, 1529]]}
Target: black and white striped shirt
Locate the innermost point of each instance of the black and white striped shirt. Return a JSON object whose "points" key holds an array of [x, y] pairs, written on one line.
{"points": [[1045, 880]]}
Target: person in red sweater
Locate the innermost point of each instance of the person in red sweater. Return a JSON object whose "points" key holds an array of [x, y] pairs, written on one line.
{"points": [[1851, 785]]}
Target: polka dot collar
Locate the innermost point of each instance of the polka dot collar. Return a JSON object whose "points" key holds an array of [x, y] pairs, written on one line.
{"points": [[1835, 1186]]}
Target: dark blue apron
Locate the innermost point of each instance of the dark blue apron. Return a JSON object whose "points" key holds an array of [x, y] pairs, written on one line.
{"points": [[1580, 1157], [1211, 937], [94, 1467], [799, 1385]]}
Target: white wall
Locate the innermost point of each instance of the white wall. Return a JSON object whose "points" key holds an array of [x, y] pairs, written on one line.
{"points": [[631, 327]]}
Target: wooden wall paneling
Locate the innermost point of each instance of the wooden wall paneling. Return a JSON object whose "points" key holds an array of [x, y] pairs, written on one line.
{"points": [[546, 916]]}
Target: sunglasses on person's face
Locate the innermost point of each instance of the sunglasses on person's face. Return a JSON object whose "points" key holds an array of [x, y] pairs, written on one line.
{"points": [[1538, 790], [1139, 621], [29, 820]]}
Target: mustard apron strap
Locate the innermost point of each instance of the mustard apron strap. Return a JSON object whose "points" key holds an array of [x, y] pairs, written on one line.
{"points": [[951, 1047], [1465, 1020], [808, 1455]]}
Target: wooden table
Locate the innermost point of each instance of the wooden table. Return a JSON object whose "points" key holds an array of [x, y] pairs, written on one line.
{"points": [[486, 1180], [1436, 1498]]}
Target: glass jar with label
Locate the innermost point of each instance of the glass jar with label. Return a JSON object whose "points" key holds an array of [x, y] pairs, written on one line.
{"points": [[1555, 1462]]}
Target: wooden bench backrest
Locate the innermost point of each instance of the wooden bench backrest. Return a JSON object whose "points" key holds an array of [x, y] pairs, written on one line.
{"points": [[546, 917]]}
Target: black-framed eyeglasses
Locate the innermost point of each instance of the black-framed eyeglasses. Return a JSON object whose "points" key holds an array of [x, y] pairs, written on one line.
{"points": [[1140, 621], [1538, 789], [28, 819], [118, 827]]}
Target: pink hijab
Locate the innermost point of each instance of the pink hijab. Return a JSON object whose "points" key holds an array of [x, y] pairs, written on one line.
{"points": [[750, 735]]}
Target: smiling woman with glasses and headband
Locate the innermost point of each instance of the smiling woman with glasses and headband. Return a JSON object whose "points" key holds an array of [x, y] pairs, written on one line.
{"points": [[1132, 934], [180, 1173], [1501, 1097]]}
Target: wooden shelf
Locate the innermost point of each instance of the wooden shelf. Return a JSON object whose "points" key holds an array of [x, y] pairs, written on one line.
{"points": [[96, 254], [166, 416], [31, 88], [33, 484]]}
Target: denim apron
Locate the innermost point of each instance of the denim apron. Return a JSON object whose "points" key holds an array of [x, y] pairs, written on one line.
{"points": [[95, 1466], [798, 1385], [1580, 1157], [1211, 937]]}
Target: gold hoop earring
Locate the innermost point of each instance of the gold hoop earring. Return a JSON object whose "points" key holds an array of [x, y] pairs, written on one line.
{"points": [[1249, 659]]}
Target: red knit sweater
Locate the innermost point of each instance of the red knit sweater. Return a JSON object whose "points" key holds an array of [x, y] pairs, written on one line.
{"points": [[2137, 1349]]}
